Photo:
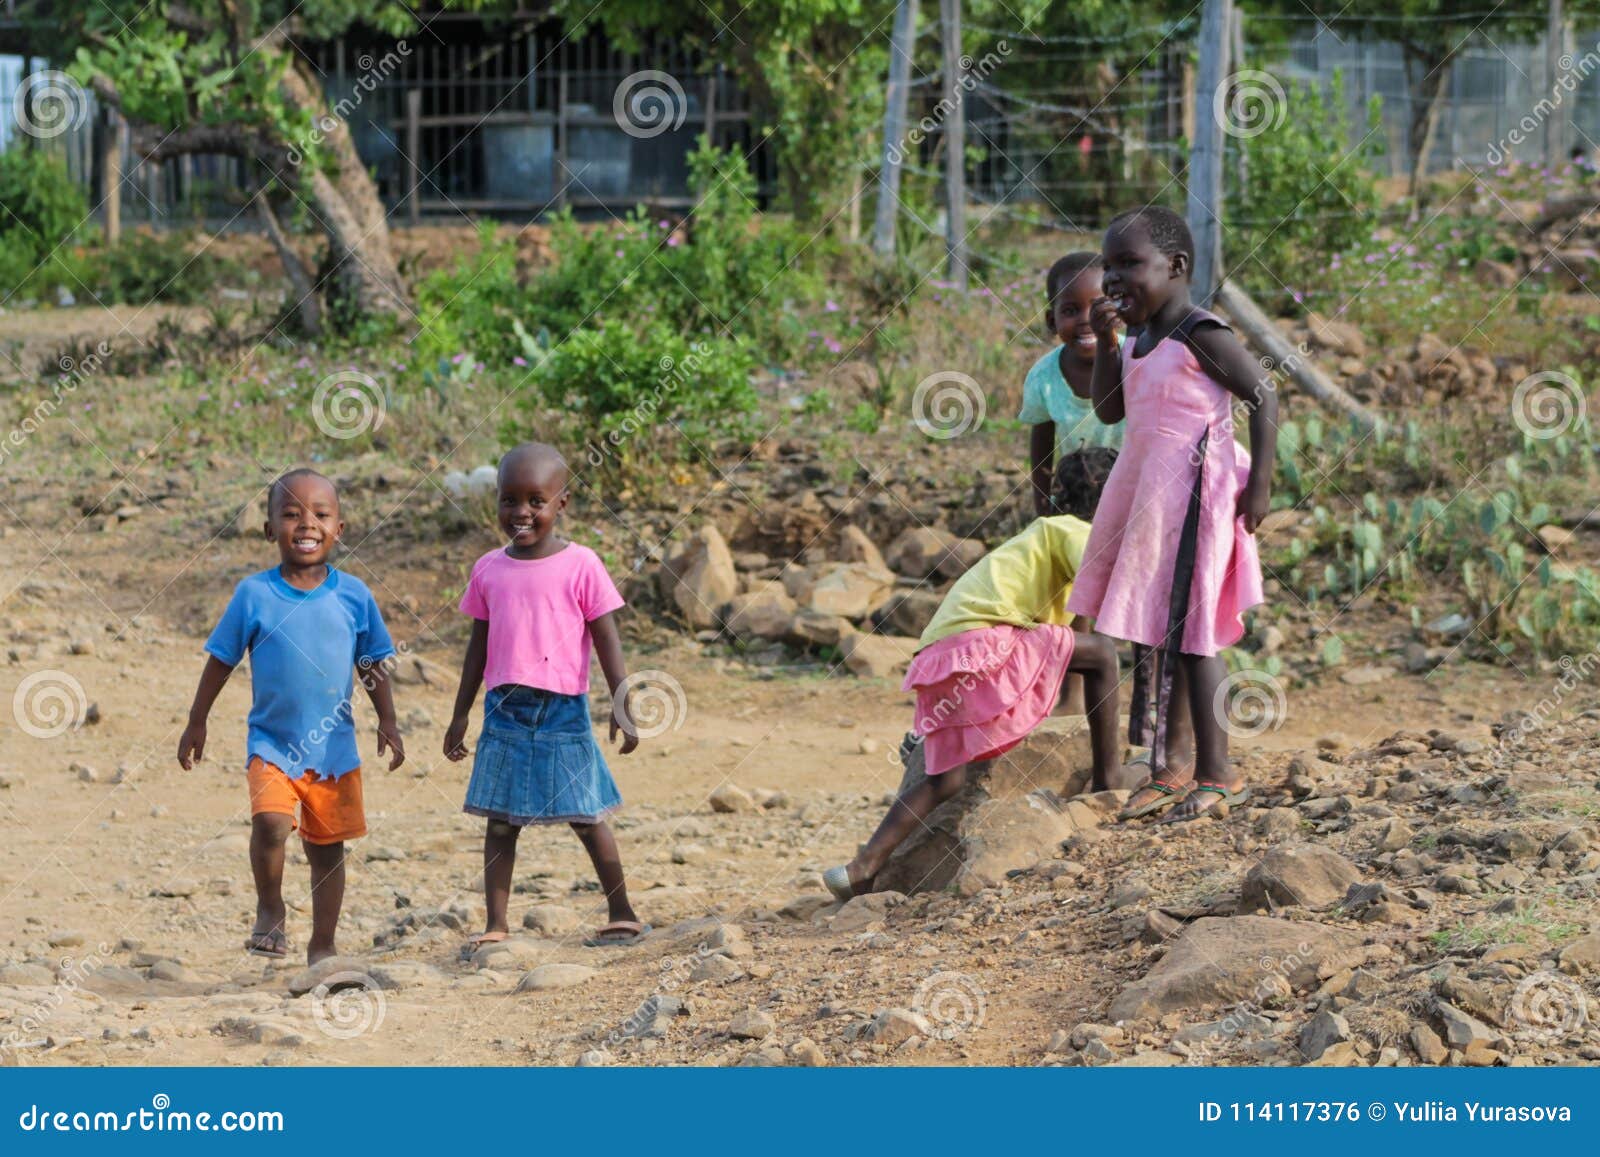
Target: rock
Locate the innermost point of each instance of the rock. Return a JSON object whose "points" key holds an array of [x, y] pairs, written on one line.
{"points": [[717, 969], [246, 522], [894, 1026], [336, 972], [751, 1024], [861, 912], [1307, 875], [177, 889], [1342, 1055], [810, 628], [855, 546], [65, 939], [805, 1052], [1429, 1048], [907, 612], [593, 1059], [1394, 835], [877, 656], [730, 800], [850, 590], [1012, 814], [85, 773], [689, 854], [1361, 676], [26, 975], [765, 612], [700, 578], [1224, 961], [1235, 1026], [549, 976], [802, 908], [1321, 1032], [1461, 1028], [511, 952], [1110, 1034], [922, 552], [1279, 823], [1159, 928], [1479, 1054], [551, 920], [1340, 337], [1129, 892], [1581, 955]]}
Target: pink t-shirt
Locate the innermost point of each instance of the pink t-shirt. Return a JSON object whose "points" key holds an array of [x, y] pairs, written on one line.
{"points": [[539, 611]]}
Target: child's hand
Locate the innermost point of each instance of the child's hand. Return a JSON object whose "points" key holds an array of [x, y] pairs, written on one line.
{"points": [[622, 720], [455, 739], [1254, 502], [192, 745], [389, 737], [1103, 319]]}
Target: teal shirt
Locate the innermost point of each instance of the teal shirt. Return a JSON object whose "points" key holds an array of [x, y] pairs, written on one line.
{"points": [[1046, 397]]}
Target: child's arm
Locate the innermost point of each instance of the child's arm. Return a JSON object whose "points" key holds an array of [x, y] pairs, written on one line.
{"points": [[1106, 383], [1041, 461], [192, 744], [376, 680], [455, 736], [608, 649], [1230, 366]]}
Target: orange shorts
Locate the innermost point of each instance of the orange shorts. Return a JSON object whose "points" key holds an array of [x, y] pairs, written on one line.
{"points": [[330, 809]]}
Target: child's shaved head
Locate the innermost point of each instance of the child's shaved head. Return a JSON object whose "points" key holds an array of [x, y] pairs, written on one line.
{"points": [[539, 459], [280, 484]]}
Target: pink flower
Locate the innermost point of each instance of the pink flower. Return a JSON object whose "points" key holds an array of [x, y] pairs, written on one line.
{"points": [[831, 306], [673, 241], [833, 346], [518, 361], [619, 253], [665, 224]]}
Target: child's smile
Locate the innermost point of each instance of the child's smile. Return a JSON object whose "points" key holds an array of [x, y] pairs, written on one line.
{"points": [[533, 492], [1138, 277], [304, 521]]}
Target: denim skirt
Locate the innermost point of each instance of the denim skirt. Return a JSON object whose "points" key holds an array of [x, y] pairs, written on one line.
{"points": [[537, 761]]}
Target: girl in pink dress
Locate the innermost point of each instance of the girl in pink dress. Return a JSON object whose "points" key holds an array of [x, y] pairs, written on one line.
{"points": [[1171, 561]]}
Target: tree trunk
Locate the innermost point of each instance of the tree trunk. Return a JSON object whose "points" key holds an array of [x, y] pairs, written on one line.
{"points": [[362, 276], [307, 307], [1427, 75]]}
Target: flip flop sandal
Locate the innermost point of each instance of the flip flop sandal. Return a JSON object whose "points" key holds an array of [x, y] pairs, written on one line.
{"points": [[616, 934], [273, 945], [1171, 793], [477, 940], [1223, 793]]}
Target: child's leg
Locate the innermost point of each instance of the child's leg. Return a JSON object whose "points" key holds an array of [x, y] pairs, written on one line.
{"points": [[905, 816], [499, 861], [1094, 657], [1205, 674], [1180, 728], [327, 897], [269, 832], [607, 860]]}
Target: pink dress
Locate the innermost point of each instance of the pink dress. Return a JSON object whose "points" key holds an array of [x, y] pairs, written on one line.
{"points": [[981, 692], [1179, 441]]}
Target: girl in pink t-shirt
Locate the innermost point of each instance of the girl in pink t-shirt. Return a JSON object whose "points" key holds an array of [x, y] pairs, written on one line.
{"points": [[538, 606]]}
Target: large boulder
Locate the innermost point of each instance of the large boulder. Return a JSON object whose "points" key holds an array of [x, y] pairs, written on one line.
{"points": [[763, 612], [1222, 961], [851, 590], [855, 546], [923, 552], [1013, 813], [700, 579], [876, 656], [1307, 875], [907, 612]]}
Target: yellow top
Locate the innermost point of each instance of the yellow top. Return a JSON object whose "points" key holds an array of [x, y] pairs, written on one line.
{"points": [[1024, 581]]}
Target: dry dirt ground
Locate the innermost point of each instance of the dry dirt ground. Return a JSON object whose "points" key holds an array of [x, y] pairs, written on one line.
{"points": [[125, 893]]}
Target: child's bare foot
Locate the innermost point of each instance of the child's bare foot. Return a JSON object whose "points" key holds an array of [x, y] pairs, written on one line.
{"points": [[1205, 796]]}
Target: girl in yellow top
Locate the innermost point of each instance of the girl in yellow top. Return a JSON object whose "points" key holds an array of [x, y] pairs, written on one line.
{"points": [[988, 669]]}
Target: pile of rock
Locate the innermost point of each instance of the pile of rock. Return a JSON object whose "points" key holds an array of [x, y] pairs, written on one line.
{"points": [[866, 604]]}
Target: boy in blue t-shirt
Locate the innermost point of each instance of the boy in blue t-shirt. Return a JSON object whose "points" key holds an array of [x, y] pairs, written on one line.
{"points": [[305, 626]]}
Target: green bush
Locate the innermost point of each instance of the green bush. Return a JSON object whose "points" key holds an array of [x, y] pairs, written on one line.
{"points": [[41, 207], [1305, 190], [473, 308], [145, 267], [635, 398]]}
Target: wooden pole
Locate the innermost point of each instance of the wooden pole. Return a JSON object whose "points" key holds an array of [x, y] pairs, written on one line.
{"points": [[111, 174], [1205, 152], [1236, 26], [1256, 328], [901, 46], [413, 149], [955, 160], [1555, 125]]}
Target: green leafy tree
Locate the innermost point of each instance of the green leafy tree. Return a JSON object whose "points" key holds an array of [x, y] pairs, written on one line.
{"points": [[225, 77]]}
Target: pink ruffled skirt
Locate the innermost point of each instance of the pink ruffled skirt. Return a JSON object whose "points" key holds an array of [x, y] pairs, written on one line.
{"points": [[980, 693]]}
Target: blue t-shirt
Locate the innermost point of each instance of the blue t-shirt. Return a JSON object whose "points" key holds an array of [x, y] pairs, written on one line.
{"points": [[1047, 397], [303, 647]]}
